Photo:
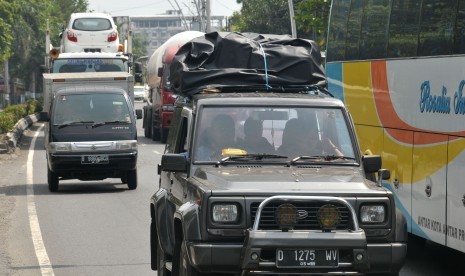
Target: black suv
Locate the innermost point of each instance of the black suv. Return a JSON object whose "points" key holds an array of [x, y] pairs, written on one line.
{"points": [[271, 183]]}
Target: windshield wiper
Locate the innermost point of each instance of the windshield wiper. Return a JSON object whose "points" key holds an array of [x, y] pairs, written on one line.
{"points": [[321, 158], [109, 122], [252, 156], [75, 123]]}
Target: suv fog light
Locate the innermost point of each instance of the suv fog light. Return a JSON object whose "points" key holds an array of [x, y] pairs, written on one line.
{"points": [[254, 256], [359, 256], [328, 216], [286, 216]]}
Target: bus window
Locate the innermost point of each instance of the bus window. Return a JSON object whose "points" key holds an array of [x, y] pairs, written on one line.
{"points": [[404, 28], [459, 40], [353, 29], [373, 41], [437, 30], [338, 30]]}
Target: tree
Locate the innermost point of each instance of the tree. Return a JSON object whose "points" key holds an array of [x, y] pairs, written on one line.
{"points": [[262, 16], [7, 11], [312, 17]]}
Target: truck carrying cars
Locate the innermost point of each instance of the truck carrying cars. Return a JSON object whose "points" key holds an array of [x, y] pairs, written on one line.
{"points": [[91, 134], [160, 102], [262, 172]]}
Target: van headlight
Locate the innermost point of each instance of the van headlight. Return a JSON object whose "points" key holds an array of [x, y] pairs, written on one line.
{"points": [[59, 147], [225, 213], [126, 145], [372, 213]]}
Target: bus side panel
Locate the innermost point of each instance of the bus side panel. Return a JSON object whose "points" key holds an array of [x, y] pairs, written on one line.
{"points": [[455, 229], [358, 93], [429, 186], [370, 139], [397, 157], [334, 76]]}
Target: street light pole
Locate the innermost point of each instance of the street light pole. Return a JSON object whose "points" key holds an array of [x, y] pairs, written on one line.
{"points": [[291, 14]]}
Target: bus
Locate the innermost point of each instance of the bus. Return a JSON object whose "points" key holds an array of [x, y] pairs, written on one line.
{"points": [[399, 66]]}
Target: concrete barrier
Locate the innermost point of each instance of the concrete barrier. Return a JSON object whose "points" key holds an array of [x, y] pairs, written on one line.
{"points": [[14, 135]]}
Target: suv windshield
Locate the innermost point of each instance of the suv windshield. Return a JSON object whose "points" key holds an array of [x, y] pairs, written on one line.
{"points": [[289, 132]]}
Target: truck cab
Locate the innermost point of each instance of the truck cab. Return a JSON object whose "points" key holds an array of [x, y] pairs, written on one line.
{"points": [[91, 135]]}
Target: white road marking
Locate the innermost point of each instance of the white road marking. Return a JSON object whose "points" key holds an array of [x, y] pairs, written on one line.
{"points": [[156, 152], [39, 246]]}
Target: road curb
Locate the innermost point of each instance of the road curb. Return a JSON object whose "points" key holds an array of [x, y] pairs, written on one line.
{"points": [[13, 136]]}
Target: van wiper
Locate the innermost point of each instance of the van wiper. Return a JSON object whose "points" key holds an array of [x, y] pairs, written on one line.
{"points": [[109, 123], [321, 158], [252, 156], [75, 123]]}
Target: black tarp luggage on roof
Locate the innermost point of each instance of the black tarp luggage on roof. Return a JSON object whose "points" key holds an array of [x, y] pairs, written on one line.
{"points": [[224, 59]]}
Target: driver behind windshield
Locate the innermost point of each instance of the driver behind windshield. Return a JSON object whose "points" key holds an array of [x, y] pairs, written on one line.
{"points": [[220, 135], [300, 138]]}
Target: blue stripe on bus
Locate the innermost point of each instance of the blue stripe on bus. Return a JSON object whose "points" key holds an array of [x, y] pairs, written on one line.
{"points": [[411, 224], [334, 76]]}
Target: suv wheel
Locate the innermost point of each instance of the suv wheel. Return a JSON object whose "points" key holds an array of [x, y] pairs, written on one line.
{"points": [[53, 181], [161, 262], [185, 268], [132, 180], [147, 123]]}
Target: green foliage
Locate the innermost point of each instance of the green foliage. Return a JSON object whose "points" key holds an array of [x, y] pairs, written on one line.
{"points": [[312, 17], [139, 45], [13, 113], [7, 11], [7, 122], [262, 16]]}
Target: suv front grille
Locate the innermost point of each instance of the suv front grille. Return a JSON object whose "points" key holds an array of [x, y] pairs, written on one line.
{"points": [[268, 218]]}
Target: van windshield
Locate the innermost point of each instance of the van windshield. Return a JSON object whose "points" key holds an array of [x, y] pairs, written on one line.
{"points": [[77, 65], [91, 108]]}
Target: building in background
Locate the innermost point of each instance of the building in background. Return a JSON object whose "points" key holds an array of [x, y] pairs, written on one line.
{"points": [[159, 28]]}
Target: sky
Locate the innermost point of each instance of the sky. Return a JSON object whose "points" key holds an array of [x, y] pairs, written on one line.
{"points": [[152, 7]]}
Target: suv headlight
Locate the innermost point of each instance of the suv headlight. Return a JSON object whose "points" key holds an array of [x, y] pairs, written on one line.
{"points": [[225, 212], [372, 213]]}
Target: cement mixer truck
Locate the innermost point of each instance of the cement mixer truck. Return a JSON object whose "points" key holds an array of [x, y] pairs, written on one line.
{"points": [[160, 102]]}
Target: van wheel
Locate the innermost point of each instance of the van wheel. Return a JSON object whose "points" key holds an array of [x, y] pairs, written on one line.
{"points": [[132, 180], [53, 181]]}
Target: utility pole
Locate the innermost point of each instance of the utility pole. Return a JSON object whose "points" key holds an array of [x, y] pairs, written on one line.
{"points": [[291, 14], [7, 84], [208, 8]]}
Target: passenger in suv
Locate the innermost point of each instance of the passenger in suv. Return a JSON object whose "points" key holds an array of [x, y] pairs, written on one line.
{"points": [[249, 211]]}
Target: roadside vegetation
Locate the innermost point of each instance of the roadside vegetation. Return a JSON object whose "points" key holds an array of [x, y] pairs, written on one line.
{"points": [[13, 113]]}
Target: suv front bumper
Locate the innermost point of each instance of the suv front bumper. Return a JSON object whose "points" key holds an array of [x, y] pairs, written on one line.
{"points": [[220, 258]]}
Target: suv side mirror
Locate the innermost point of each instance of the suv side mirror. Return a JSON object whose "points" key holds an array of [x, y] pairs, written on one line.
{"points": [[172, 162], [160, 72], [371, 163]]}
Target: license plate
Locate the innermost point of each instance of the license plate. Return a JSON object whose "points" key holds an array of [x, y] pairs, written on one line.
{"points": [[94, 159], [307, 258]]}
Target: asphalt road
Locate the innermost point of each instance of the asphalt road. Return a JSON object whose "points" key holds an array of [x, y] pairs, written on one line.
{"points": [[102, 228]]}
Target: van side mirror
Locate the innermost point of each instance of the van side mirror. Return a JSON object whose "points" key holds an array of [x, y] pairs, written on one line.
{"points": [[137, 67], [139, 113], [44, 116], [138, 77]]}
